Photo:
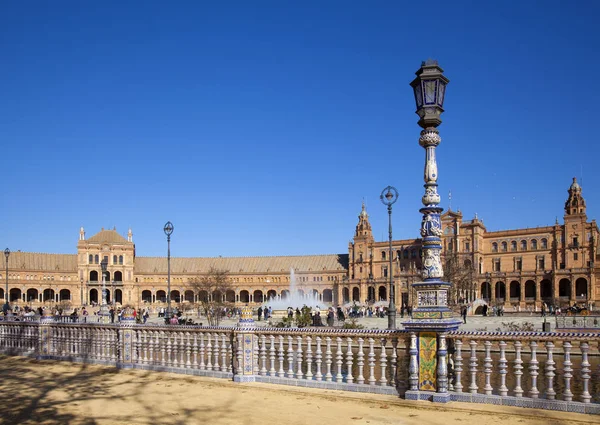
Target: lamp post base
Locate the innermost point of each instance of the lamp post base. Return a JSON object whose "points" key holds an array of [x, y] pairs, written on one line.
{"points": [[392, 319], [104, 314]]}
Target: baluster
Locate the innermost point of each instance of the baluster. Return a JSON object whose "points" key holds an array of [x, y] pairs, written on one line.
{"points": [[309, 373], [371, 361], [383, 379], [550, 393], [176, 348], [188, 351], [502, 365], [290, 355], [170, 356], [272, 355], [338, 358], [195, 351], [263, 355], [299, 374], [585, 372], [182, 349], [151, 347], [216, 351], [518, 369], [487, 364], [230, 354], [533, 370], [328, 357], [473, 367], [143, 338], [163, 348], [202, 352], [394, 361], [458, 363], [360, 361], [349, 361], [208, 351], [318, 357], [224, 364], [568, 371], [281, 357]]}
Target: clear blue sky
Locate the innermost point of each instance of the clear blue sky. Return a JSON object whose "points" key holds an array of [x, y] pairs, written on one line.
{"points": [[257, 128]]}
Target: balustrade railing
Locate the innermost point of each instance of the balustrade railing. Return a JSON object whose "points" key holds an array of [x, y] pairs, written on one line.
{"points": [[531, 369]]}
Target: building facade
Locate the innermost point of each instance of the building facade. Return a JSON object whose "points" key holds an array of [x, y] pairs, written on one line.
{"points": [[518, 269]]}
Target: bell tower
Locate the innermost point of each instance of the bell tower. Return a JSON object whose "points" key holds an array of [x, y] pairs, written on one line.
{"points": [[360, 248], [575, 204]]}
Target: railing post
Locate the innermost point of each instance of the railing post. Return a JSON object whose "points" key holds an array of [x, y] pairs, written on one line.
{"points": [[126, 339], [247, 341], [45, 335]]}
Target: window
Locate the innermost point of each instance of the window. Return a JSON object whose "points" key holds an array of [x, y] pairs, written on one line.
{"points": [[523, 245], [96, 259], [467, 246], [114, 259], [496, 266], [534, 244], [513, 246], [105, 259], [120, 259], [398, 254], [518, 264], [413, 253], [91, 259], [494, 247], [575, 256], [385, 272], [383, 255], [406, 253], [541, 263], [544, 243], [504, 247], [575, 242]]}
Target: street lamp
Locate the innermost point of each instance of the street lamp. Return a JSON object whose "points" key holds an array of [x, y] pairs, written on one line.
{"points": [[431, 312], [488, 286], [168, 231], [6, 304], [388, 196], [104, 313]]}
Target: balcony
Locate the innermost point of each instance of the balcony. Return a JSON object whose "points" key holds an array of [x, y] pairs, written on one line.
{"points": [[99, 283]]}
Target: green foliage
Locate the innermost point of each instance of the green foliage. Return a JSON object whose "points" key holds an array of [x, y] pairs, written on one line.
{"points": [[286, 322], [518, 327], [352, 324]]}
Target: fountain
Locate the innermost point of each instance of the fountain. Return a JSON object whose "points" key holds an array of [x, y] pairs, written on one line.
{"points": [[279, 304]]}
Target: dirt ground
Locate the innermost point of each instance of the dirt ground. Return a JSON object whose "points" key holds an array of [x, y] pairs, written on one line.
{"points": [[50, 392]]}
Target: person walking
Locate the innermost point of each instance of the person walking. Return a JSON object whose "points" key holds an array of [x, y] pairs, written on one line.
{"points": [[464, 314], [260, 310]]}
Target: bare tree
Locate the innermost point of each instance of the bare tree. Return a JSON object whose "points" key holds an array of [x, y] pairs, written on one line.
{"points": [[211, 288], [459, 271]]}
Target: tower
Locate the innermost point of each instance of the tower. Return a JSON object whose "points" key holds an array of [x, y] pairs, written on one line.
{"points": [[360, 249]]}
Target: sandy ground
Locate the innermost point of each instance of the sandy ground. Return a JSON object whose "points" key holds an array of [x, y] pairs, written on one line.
{"points": [[49, 392]]}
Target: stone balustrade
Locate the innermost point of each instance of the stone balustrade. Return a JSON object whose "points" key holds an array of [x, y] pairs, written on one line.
{"points": [[559, 371]]}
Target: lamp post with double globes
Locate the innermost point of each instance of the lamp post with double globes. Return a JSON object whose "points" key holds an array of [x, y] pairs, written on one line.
{"points": [[168, 231], [6, 306], [388, 196]]}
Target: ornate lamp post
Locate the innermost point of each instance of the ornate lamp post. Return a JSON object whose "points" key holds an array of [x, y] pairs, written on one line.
{"points": [[104, 313], [388, 196], [168, 231], [431, 318], [6, 304]]}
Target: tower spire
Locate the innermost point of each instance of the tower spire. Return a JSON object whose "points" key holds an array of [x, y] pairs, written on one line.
{"points": [[575, 203]]}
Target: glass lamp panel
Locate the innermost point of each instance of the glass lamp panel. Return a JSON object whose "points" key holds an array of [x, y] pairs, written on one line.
{"points": [[430, 91], [418, 95], [441, 93]]}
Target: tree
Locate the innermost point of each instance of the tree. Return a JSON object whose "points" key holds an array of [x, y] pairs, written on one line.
{"points": [[460, 273], [211, 288]]}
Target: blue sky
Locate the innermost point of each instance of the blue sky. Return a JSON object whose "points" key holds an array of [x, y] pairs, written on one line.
{"points": [[258, 128]]}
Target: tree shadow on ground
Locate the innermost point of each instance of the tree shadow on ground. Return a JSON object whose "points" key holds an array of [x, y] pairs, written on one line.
{"points": [[52, 392]]}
